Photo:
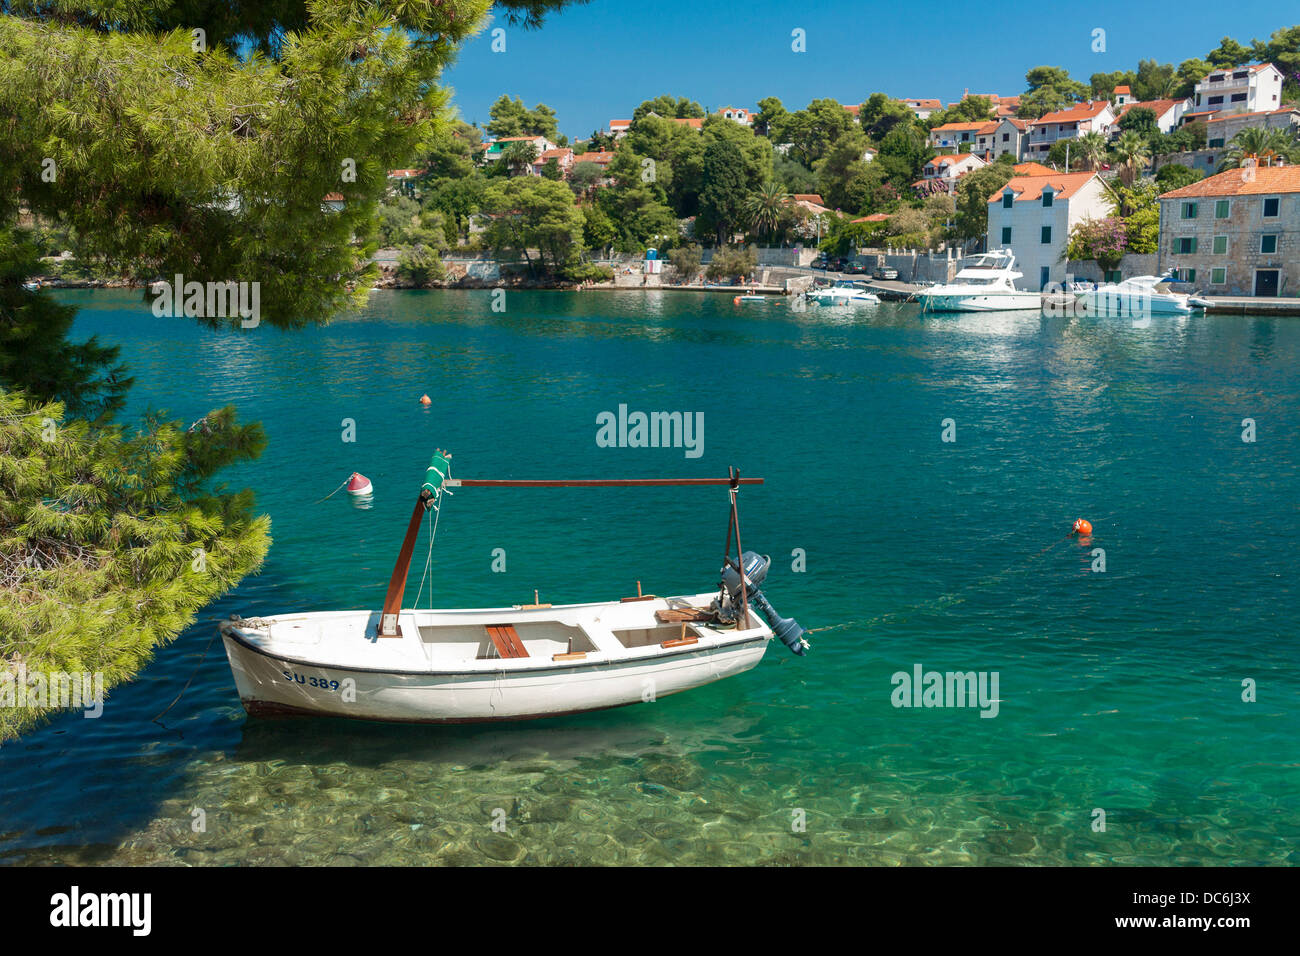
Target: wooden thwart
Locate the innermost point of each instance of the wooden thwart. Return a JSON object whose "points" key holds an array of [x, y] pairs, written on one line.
{"points": [[506, 640], [676, 615]]}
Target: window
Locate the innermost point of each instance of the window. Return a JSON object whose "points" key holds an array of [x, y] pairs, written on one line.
{"points": [[1238, 98], [964, 138], [1185, 246], [1240, 75], [1007, 198], [1271, 206], [1189, 210], [1006, 235], [1268, 245], [1113, 275], [1221, 209], [1006, 137], [1184, 275], [1047, 234], [1218, 276], [1220, 245], [1214, 100], [1216, 78], [1216, 143], [1047, 198]]}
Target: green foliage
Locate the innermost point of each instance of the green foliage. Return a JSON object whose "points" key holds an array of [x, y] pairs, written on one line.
{"points": [[972, 198], [111, 541], [511, 118], [969, 110], [812, 131], [597, 230], [1141, 120], [670, 108], [419, 265], [1174, 176], [880, 113], [1050, 88], [529, 212], [686, 260], [732, 262], [1269, 147], [723, 192]]}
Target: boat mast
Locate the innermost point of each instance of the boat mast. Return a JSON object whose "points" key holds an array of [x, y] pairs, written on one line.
{"points": [[430, 495]]}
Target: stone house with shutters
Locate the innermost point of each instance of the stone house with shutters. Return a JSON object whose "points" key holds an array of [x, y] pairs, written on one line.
{"points": [[1235, 234]]}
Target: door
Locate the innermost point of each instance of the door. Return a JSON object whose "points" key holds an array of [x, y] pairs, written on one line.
{"points": [[1044, 276], [1266, 282]]}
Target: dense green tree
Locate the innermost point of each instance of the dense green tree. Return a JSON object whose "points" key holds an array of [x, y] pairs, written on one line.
{"points": [[1141, 120], [1049, 88], [511, 118], [1103, 84], [971, 109], [528, 212], [1190, 72], [1174, 176], [723, 191], [670, 108], [763, 208], [972, 198], [880, 113], [584, 176], [812, 131], [771, 114], [551, 169], [1154, 81]]}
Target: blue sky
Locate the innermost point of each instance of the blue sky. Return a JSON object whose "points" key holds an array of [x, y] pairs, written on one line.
{"points": [[598, 61]]}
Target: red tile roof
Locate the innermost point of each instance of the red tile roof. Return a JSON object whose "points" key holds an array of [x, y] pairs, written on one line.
{"points": [[972, 125], [1267, 180], [1123, 91], [853, 109], [691, 122], [1079, 111], [949, 160], [808, 197], [1159, 107], [1033, 169], [924, 104], [1220, 119], [874, 217], [1064, 185], [603, 157]]}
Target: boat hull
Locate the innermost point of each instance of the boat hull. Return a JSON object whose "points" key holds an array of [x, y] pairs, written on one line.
{"points": [[274, 685], [1022, 301], [1133, 306]]}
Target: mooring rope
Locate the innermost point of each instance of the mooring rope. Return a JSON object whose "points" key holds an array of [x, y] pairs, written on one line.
{"points": [[202, 658], [336, 490], [945, 600]]}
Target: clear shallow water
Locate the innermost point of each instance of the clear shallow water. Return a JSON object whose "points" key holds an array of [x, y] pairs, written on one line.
{"points": [[1119, 691]]}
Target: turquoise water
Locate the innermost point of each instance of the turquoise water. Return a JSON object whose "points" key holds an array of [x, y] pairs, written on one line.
{"points": [[1119, 691]]}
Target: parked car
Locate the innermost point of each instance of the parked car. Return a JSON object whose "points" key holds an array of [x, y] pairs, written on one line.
{"points": [[856, 268], [885, 272]]}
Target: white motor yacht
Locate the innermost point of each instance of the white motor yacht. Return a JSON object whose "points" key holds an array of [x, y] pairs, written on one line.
{"points": [[844, 292], [987, 284], [1138, 296]]}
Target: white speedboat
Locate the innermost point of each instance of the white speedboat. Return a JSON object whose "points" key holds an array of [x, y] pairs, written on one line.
{"points": [[507, 663], [1138, 296], [844, 292], [987, 284]]}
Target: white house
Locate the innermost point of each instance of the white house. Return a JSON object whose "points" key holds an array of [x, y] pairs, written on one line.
{"points": [[1044, 132], [1003, 135], [618, 127], [1219, 130], [1168, 112], [1254, 88], [958, 136], [737, 114], [941, 173], [1033, 215], [1122, 96], [563, 157], [492, 150], [922, 109]]}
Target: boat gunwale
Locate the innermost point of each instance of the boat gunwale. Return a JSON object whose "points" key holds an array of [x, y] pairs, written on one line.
{"points": [[235, 635]]}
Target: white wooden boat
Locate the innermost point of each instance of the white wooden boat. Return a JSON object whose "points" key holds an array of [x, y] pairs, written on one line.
{"points": [[510, 663], [987, 284]]}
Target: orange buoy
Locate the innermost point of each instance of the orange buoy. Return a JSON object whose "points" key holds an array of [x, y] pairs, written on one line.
{"points": [[425, 400], [736, 301], [1082, 526]]}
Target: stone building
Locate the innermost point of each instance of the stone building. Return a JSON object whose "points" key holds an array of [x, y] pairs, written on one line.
{"points": [[1236, 233]]}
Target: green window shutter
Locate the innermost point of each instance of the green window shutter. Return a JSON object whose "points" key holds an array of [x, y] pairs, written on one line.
{"points": [[1006, 235], [1220, 245], [1047, 234], [1218, 276], [1008, 199], [1268, 245], [1221, 209]]}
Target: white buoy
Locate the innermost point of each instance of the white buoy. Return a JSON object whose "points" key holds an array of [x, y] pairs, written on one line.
{"points": [[359, 485]]}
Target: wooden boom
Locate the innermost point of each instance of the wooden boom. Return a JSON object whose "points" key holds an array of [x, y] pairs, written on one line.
{"points": [[590, 482], [388, 615]]}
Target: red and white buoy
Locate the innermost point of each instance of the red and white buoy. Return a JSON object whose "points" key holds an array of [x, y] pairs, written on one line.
{"points": [[359, 484]]}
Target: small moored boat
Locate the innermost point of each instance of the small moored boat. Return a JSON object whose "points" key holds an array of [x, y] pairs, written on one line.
{"points": [[844, 292], [507, 663]]}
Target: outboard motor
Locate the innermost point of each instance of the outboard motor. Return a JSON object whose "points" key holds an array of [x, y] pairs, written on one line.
{"points": [[755, 567]]}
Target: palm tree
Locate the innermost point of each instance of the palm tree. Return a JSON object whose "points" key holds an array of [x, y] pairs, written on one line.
{"points": [[763, 209], [1268, 146], [1092, 149], [1132, 153], [519, 154]]}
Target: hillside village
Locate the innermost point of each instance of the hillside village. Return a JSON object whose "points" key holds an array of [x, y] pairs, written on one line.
{"points": [[1124, 172]]}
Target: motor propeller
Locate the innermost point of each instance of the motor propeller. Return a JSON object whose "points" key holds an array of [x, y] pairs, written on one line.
{"points": [[755, 567]]}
